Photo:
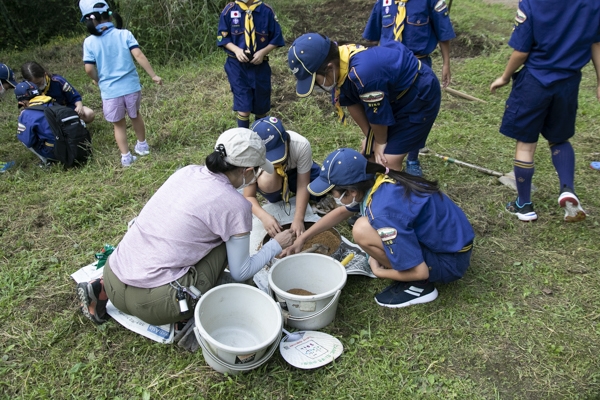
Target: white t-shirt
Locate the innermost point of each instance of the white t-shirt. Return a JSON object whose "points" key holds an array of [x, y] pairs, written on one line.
{"points": [[300, 153]]}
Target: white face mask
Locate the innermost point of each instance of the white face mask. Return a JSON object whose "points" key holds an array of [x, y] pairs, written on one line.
{"points": [[252, 181], [338, 201], [328, 88], [43, 85]]}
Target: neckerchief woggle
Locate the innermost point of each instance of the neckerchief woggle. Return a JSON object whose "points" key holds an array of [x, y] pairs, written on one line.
{"points": [[249, 31]]}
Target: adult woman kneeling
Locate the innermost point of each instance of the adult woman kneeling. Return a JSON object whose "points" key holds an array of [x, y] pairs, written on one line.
{"points": [[192, 228]]}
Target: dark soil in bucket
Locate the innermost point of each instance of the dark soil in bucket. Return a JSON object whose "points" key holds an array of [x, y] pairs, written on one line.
{"points": [[330, 238], [300, 292]]}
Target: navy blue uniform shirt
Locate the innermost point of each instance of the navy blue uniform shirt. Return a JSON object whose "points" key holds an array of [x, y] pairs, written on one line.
{"points": [[427, 23], [62, 91]]}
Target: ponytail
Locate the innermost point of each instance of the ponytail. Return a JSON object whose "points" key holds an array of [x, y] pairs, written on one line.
{"points": [[106, 16], [215, 162], [412, 184], [32, 70]]}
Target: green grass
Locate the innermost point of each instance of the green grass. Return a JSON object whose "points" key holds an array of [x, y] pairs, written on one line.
{"points": [[524, 323]]}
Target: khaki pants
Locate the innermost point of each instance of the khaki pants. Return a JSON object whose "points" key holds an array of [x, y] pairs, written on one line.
{"points": [[158, 306]]}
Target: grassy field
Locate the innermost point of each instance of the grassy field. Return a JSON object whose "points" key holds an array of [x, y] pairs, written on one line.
{"points": [[524, 323]]}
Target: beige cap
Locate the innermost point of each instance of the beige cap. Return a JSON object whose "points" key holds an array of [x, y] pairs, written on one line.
{"points": [[244, 148]]}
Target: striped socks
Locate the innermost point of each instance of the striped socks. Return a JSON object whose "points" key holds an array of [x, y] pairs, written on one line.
{"points": [[523, 174], [243, 121]]}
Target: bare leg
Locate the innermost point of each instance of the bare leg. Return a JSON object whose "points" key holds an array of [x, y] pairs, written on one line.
{"points": [[121, 136], [139, 127]]}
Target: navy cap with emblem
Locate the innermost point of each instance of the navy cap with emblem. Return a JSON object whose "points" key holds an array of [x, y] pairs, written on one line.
{"points": [[274, 137], [6, 74], [341, 168], [26, 91], [307, 54]]}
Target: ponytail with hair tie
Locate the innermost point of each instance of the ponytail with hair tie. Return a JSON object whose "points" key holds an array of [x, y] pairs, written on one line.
{"points": [[221, 150]]}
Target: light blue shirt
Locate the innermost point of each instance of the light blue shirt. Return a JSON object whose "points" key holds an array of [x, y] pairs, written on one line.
{"points": [[111, 53]]}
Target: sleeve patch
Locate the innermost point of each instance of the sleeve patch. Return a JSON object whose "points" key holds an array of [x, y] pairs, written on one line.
{"points": [[520, 17], [21, 127], [224, 33], [372, 97], [387, 234], [66, 87], [440, 6]]}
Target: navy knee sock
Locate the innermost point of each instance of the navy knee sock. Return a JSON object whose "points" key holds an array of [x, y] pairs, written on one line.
{"points": [[413, 155], [563, 158], [243, 121], [523, 174]]}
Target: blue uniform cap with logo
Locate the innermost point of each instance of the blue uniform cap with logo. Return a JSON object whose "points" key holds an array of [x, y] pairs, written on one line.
{"points": [[6, 74], [343, 167], [274, 136], [26, 91], [307, 54], [88, 7]]}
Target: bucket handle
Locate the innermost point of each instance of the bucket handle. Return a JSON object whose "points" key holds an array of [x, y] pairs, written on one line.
{"points": [[321, 311]]}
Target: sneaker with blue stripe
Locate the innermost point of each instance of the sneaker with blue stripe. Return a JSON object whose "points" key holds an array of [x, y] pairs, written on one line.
{"points": [[525, 212], [404, 294]]}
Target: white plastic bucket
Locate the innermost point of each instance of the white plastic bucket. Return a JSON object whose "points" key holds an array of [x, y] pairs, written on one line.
{"points": [[238, 323], [232, 369], [315, 273]]}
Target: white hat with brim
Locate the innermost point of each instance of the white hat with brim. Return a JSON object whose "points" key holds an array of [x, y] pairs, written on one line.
{"points": [[244, 148], [88, 7]]}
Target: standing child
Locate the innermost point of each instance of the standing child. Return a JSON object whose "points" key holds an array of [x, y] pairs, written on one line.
{"points": [[419, 25], [57, 87], [7, 82], [291, 155], [249, 31], [553, 40], [107, 55]]}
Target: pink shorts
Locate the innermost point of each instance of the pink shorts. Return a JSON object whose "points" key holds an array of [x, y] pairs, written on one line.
{"points": [[114, 109]]}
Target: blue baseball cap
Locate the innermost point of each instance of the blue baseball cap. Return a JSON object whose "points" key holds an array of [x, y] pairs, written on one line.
{"points": [[341, 168], [307, 54], [274, 136], [88, 7], [26, 91], [7, 74]]}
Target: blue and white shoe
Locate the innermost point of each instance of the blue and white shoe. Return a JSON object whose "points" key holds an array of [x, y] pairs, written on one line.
{"points": [[413, 168], [525, 212], [404, 294], [4, 166]]}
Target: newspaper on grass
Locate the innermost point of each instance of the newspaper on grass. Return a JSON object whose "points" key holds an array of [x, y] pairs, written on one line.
{"points": [[161, 334]]}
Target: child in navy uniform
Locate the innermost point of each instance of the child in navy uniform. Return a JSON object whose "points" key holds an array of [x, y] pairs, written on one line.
{"points": [[419, 25], [291, 155], [108, 55], [553, 39], [413, 233], [248, 32], [7, 82], [33, 129], [57, 87], [390, 94]]}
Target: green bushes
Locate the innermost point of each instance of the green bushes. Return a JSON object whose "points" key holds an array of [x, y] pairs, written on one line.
{"points": [[172, 29]]}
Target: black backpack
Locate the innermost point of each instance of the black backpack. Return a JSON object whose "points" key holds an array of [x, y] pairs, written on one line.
{"points": [[73, 144]]}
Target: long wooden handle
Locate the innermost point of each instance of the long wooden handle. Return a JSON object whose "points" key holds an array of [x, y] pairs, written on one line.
{"points": [[463, 95], [465, 164]]}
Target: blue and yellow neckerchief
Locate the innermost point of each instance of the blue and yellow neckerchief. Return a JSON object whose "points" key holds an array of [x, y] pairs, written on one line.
{"points": [[400, 20], [249, 30], [347, 51]]}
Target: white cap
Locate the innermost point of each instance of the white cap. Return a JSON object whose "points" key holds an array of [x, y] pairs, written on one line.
{"points": [[91, 6], [244, 148]]}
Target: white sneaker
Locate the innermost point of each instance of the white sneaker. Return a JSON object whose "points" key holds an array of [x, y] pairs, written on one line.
{"points": [[142, 149], [572, 206], [127, 159]]}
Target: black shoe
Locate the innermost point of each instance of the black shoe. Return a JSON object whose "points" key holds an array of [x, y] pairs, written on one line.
{"points": [[404, 294], [525, 212], [91, 306]]}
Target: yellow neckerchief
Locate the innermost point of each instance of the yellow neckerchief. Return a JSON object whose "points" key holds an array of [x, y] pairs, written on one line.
{"points": [[379, 180], [249, 32], [400, 18], [47, 85], [37, 100], [347, 51], [285, 190]]}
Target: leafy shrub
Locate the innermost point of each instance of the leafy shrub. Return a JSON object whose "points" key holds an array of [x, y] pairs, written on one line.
{"points": [[172, 29]]}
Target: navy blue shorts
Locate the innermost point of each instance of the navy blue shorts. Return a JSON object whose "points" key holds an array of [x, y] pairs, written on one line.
{"points": [[446, 267], [415, 113], [250, 85], [274, 197], [532, 109]]}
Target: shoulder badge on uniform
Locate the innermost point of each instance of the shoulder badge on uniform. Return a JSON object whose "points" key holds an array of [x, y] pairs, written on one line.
{"points": [[224, 33], [372, 97], [520, 17], [66, 87], [440, 6], [387, 234], [228, 7], [235, 14], [21, 127]]}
